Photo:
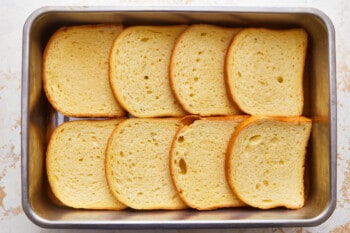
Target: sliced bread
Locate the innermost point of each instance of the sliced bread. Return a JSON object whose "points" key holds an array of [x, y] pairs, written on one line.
{"points": [[75, 71], [197, 162], [265, 161], [75, 164], [197, 70], [139, 74], [137, 163], [264, 71]]}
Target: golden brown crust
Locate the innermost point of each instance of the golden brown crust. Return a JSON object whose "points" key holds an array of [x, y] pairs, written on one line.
{"points": [[110, 70], [226, 74], [107, 158]]}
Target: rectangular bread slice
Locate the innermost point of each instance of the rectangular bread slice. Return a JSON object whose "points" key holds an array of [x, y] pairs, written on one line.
{"points": [[264, 71], [137, 163], [197, 162], [197, 70], [75, 164], [265, 161], [139, 74], [75, 71]]}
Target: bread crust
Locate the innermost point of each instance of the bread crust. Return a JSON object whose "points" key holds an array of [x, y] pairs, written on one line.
{"points": [[50, 97], [228, 78], [246, 123], [110, 178], [184, 104], [185, 122], [171, 112], [55, 192]]}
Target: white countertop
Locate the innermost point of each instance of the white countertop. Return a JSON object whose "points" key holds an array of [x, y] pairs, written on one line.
{"points": [[13, 14]]}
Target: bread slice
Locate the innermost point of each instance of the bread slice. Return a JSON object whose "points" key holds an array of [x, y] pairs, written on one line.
{"points": [[197, 162], [75, 164], [139, 70], [265, 161], [75, 71], [197, 70], [264, 71], [137, 163]]}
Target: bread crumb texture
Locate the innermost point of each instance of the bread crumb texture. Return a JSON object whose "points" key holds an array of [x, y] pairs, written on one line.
{"points": [[197, 70], [75, 71], [265, 161], [137, 164], [75, 164], [265, 71], [197, 162], [162, 157], [139, 70]]}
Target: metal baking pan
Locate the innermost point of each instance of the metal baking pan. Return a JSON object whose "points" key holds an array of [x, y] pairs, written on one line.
{"points": [[39, 118]]}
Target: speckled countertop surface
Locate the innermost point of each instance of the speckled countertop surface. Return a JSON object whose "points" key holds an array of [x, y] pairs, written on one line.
{"points": [[12, 17]]}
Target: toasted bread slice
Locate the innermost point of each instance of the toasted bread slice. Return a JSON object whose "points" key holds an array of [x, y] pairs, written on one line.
{"points": [[197, 162], [264, 71], [75, 164], [75, 71], [137, 163], [139, 70], [197, 70], [265, 161]]}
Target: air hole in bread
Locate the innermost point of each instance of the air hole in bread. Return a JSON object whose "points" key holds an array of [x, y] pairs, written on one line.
{"points": [[181, 139], [121, 153], [274, 139], [203, 34], [263, 83], [191, 95], [267, 200], [266, 183], [183, 166], [255, 140], [145, 39], [239, 74], [280, 79], [145, 77], [195, 79], [257, 186]]}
